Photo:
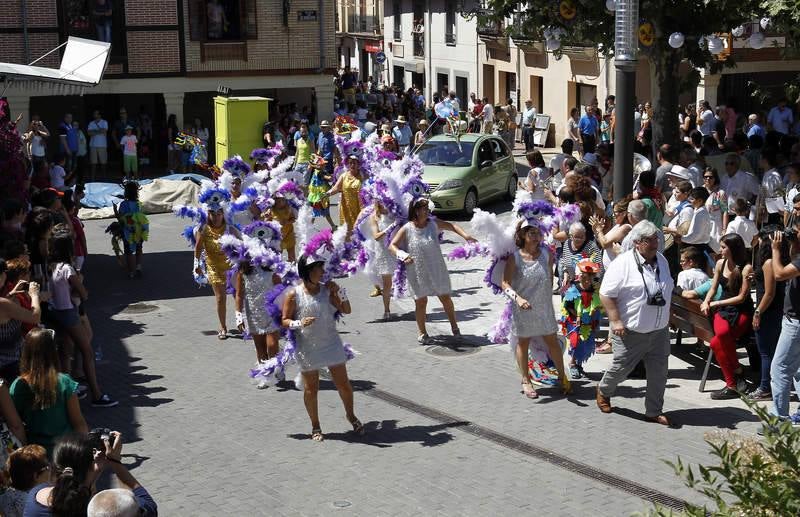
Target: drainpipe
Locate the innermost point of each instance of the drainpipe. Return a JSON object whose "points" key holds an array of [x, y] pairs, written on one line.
{"points": [[428, 56], [320, 7], [24, 11]]}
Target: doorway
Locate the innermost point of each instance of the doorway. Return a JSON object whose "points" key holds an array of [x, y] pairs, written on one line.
{"points": [[399, 77], [462, 87], [488, 82], [441, 83], [536, 93]]}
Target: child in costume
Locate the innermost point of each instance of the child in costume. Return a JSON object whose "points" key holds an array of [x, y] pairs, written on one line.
{"points": [[581, 312], [318, 185], [283, 208], [135, 228]]}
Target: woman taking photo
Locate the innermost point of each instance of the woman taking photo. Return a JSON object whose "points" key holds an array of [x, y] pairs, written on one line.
{"points": [[417, 246], [527, 281], [309, 312], [617, 233], [12, 318], [733, 313], [217, 264], [349, 184], [46, 399]]}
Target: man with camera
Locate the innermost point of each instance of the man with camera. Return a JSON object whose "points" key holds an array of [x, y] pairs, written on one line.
{"points": [[636, 294], [785, 369]]}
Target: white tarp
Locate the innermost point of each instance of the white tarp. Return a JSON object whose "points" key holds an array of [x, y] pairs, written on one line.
{"points": [[157, 196], [83, 64]]}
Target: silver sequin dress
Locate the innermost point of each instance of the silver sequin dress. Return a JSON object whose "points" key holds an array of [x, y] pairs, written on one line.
{"points": [[532, 281], [385, 262], [318, 345], [427, 275], [256, 286]]}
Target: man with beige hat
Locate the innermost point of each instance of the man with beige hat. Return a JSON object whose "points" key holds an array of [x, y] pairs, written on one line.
{"points": [[402, 134]]}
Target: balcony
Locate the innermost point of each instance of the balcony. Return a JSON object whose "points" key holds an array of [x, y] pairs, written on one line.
{"points": [[362, 24], [490, 29], [419, 44]]}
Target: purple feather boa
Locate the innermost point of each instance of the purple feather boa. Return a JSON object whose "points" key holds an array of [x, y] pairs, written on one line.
{"points": [[468, 251], [399, 280], [501, 331], [275, 312]]}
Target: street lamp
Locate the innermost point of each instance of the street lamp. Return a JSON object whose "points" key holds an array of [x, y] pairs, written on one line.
{"points": [[626, 46]]}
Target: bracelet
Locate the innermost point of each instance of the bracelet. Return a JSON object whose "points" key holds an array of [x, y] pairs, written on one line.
{"points": [[512, 294], [343, 295], [295, 324]]}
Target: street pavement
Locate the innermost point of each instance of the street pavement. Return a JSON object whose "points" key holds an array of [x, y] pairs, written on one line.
{"points": [[448, 432]]}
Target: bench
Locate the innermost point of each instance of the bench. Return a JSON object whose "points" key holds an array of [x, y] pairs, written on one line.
{"points": [[685, 316]]}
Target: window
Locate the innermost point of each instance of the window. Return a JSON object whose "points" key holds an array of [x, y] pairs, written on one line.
{"points": [[397, 12], [485, 152], [101, 20], [450, 24], [500, 150], [222, 20]]}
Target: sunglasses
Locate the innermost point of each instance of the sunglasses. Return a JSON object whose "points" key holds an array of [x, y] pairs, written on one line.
{"points": [[708, 177]]}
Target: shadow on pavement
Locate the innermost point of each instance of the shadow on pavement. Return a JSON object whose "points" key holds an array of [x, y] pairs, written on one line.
{"points": [[386, 433], [720, 417]]}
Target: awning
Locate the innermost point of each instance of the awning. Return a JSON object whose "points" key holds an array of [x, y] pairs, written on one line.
{"points": [[82, 65]]}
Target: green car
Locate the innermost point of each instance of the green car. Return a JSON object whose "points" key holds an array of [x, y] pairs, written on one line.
{"points": [[465, 172]]}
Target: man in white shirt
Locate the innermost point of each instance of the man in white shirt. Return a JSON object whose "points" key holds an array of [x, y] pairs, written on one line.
{"points": [[772, 188], [402, 134], [636, 293], [737, 183], [528, 118], [487, 115], [699, 232], [705, 118], [780, 118], [98, 143]]}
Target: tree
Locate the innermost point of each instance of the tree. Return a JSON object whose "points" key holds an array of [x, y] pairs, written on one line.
{"points": [[588, 22]]}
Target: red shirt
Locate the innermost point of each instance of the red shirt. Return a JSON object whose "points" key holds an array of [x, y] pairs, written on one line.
{"points": [[80, 236]]}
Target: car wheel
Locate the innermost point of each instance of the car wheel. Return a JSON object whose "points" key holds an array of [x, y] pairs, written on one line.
{"points": [[470, 202], [511, 188]]}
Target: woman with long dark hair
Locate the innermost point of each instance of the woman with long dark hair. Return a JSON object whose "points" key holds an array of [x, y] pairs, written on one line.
{"points": [[46, 399], [733, 313], [73, 474]]}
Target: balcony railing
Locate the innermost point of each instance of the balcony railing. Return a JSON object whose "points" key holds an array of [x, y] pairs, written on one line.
{"points": [[523, 31], [357, 23], [490, 28], [450, 38]]}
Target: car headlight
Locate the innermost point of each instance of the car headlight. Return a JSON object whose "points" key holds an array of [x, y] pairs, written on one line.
{"points": [[450, 184]]}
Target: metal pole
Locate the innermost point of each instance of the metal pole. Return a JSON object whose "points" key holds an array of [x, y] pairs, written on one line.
{"points": [[626, 43], [623, 133]]}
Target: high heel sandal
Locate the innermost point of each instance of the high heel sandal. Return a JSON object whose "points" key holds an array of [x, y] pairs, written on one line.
{"points": [[316, 434], [566, 386], [358, 427], [529, 391]]}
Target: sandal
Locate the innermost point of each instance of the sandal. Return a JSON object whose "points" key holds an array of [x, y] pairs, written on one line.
{"points": [[603, 348], [358, 427], [566, 386], [529, 391], [316, 435], [222, 334], [456, 331]]}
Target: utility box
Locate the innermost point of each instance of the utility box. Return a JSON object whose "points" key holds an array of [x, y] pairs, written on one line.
{"points": [[239, 125]]}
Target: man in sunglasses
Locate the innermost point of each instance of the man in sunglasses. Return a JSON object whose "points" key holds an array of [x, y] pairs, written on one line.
{"points": [[737, 184]]}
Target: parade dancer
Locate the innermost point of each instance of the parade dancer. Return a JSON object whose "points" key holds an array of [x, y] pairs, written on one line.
{"points": [[417, 246], [319, 183], [283, 207], [382, 223], [581, 312]]}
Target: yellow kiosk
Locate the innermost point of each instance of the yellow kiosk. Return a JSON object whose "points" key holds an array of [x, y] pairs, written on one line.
{"points": [[238, 125]]}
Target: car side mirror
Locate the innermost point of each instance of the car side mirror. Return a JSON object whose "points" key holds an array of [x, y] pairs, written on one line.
{"points": [[486, 163]]}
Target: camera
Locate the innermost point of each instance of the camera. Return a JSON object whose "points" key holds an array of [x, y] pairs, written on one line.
{"points": [[790, 234], [656, 299], [98, 437]]}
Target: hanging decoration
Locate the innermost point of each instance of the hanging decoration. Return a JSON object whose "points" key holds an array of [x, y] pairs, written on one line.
{"points": [[611, 5], [757, 40], [676, 39], [738, 32], [714, 44], [647, 34], [765, 22], [567, 10]]}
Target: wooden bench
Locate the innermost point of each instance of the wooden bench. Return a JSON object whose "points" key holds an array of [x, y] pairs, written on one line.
{"points": [[685, 316]]}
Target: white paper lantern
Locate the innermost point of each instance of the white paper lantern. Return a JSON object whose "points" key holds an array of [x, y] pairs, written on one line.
{"points": [[552, 45], [715, 45], [676, 39], [757, 40], [737, 32], [611, 5], [765, 22]]}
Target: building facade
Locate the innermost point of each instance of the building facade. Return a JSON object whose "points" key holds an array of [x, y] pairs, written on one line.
{"points": [[170, 56], [359, 37]]}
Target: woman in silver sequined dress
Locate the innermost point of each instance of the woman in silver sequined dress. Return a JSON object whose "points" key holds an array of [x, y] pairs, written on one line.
{"points": [[381, 223], [254, 284], [308, 311], [417, 245], [527, 281]]}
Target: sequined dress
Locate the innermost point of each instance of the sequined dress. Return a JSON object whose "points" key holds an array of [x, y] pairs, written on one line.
{"points": [[256, 285], [318, 345], [427, 275], [532, 282], [350, 204], [385, 262], [216, 263]]}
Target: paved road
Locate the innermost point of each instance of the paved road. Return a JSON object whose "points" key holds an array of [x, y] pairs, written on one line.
{"points": [[448, 434]]}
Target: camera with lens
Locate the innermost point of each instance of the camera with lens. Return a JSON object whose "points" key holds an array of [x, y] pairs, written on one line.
{"points": [[98, 437], [656, 299]]}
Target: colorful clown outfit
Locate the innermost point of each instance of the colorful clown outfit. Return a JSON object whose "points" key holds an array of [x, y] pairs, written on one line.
{"points": [[135, 225], [581, 311]]}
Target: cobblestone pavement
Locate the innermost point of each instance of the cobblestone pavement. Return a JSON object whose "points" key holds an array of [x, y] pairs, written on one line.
{"points": [[448, 431]]}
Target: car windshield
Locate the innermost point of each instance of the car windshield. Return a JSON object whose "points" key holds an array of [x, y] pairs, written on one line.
{"points": [[446, 153]]}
